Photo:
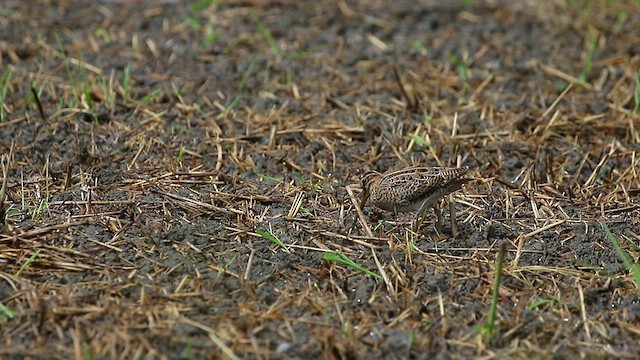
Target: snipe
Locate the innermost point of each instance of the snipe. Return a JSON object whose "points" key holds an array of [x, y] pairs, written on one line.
{"points": [[412, 189]]}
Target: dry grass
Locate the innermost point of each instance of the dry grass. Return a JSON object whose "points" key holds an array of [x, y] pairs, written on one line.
{"points": [[152, 164]]}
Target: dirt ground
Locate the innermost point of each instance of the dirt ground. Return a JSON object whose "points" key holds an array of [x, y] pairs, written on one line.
{"points": [[180, 177]]}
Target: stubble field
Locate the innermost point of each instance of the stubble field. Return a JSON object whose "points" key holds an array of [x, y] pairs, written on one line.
{"points": [[181, 179]]}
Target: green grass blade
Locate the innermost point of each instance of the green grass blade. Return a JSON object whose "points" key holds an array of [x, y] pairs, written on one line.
{"points": [[266, 36], [5, 80], [28, 262], [539, 303], [419, 140], [36, 99], [86, 350], [201, 5], [341, 258], [180, 154], [463, 72], [632, 267], [636, 93], [126, 82], [496, 289], [6, 312], [271, 178], [268, 236], [489, 330], [588, 61], [426, 119], [223, 269], [243, 82]]}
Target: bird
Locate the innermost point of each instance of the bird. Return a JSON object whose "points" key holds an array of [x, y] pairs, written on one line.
{"points": [[412, 189]]}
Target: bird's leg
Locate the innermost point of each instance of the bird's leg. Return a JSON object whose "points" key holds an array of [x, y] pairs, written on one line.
{"points": [[452, 216], [418, 221], [436, 209]]}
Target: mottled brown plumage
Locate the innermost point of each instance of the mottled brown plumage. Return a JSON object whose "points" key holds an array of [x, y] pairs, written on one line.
{"points": [[412, 189]]}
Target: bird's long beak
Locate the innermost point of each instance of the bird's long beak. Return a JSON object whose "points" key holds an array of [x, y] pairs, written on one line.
{"points": [[365, 197]]}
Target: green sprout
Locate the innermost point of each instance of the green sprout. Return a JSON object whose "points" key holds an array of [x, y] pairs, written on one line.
{"points": [[418, 47], [103, 34], [305, 212], [382, 224], [309, 183], [345, 329], [426, 118], [198, 10], [180, 154], [78, 79], [228, 264], [623, 16], [463, 72]]}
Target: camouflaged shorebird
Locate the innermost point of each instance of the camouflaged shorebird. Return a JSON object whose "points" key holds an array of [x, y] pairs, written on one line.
{"points": [[412, 189]]}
